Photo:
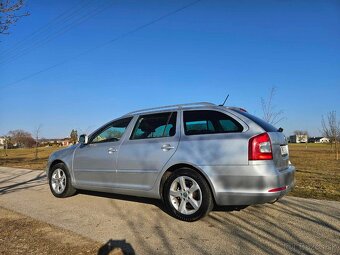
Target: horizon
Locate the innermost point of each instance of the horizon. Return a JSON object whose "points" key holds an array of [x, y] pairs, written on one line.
{"points": [[112, 62]]}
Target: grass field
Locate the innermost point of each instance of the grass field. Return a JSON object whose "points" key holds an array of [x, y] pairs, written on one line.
{"points": [[318, 173], [317, 176], [25, 158]]}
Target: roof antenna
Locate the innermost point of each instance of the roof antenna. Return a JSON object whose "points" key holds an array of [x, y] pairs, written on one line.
{"points": [[225, 100]]}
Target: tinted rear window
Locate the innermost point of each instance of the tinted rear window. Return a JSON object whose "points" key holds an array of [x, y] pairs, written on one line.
{"points": [[263, 124]]}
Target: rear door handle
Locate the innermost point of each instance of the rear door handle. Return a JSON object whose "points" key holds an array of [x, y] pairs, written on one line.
{"points": [[112, 150], [167, 147]]}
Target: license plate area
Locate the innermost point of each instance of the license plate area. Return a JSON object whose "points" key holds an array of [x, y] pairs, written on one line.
{"points": [[284, 150]]}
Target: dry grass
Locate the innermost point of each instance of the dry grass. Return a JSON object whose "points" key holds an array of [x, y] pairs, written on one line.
{"points": [[23, 235], [25, 158], [317, 176], [318, 173]]}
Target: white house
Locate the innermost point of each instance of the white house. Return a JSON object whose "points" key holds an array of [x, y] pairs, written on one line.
{"points": [[319, 139], [322, 140]]}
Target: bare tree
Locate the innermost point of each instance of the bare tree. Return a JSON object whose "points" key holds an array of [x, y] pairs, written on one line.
{"points": [[331, 130], [37, 133], [10, 14], [6, 144], [21, 138], [270, 114]]}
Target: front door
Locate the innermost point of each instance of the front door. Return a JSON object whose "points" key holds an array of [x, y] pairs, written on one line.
{"points": [[142, 156], [94, 163]]}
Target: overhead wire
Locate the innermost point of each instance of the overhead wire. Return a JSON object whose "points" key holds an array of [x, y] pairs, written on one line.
{"points": [[45, 28], [55, 34], [132, 31]]}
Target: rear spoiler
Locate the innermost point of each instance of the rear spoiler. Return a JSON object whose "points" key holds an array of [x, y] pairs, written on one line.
{"points": [[237, 108]]}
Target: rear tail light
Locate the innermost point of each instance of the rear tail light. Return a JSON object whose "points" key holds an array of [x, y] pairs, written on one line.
{"points": [[260, 148]]}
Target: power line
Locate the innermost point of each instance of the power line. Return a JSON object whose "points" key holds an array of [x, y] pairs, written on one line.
{"points": [[54, 34], [43, 28], [105, 43]]}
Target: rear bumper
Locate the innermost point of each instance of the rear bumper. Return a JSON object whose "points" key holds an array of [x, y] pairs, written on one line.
{"points": [[242, 189]]}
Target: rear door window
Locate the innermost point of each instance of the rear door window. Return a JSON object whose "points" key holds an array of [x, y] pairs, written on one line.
{"points": [[155, 126], [209, 122]]}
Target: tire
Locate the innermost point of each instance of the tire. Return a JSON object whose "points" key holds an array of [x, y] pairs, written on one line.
{"points": [[60, 181], [191, 203]]}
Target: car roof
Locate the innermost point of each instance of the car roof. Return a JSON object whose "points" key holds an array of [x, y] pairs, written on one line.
{"points": [[190, 106]]}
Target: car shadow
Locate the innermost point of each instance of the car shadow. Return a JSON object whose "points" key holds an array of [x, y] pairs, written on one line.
{"points": [[152, 201]]}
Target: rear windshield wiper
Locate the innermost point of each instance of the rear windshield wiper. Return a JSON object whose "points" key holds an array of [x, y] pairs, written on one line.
{"points": [[280, 130]]}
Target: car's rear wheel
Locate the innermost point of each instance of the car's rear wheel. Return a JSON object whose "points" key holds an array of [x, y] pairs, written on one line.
{"points": [[60, 181], [187, 195]]}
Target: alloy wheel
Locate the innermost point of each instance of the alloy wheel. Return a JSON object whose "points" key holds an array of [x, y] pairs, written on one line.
{"points": [[185, 195]]}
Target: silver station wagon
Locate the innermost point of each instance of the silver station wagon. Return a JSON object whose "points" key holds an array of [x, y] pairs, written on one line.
{"points": [[192, 156]]}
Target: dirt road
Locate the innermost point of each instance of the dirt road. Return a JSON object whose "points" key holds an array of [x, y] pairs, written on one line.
{"points": [[293, 225]]}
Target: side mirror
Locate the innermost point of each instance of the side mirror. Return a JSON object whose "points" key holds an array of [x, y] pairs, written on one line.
{"points": [[83, 139]]}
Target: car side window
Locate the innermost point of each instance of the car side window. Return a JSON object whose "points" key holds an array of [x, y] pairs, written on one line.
{"points": [[209, 122], [155, 126], [112, 132]]}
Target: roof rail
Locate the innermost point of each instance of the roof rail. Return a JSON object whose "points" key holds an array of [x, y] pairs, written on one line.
{"points": [[175, 106]]}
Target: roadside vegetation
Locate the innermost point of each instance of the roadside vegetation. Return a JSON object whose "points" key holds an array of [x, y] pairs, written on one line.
{"points": [[317, 176]]}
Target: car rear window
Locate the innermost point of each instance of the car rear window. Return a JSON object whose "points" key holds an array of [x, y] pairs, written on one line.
{"points": [[263, 124], [209, 122]]}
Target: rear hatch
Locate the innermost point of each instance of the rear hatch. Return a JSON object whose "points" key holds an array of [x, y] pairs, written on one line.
{"points": [[279, 150], [277, 138]]}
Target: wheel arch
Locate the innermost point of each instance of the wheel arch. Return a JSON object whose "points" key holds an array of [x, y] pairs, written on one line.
{"points": [[54, 162], [174, 167]]}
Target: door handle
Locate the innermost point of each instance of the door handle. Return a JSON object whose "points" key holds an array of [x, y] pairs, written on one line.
{"points": [[167, 147], [112, 150]]}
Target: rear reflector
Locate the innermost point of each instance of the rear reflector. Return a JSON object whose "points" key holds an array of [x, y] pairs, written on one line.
{"points": [[278, 189]]}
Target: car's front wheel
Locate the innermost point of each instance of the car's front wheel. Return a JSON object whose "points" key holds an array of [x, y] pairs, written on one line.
{"points": [[60, 181], [187, 195]]}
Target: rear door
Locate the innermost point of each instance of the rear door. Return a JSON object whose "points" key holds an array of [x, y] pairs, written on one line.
{"points": [[142, 156]]}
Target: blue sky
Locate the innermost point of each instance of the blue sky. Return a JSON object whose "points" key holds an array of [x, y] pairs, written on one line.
{"points": [[202, 53]]}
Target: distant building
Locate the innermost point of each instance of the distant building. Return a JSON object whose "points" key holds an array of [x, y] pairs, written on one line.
{"points": [[66, 142], [320, 139], [55, 141], [2, 142], [298, 139]]}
